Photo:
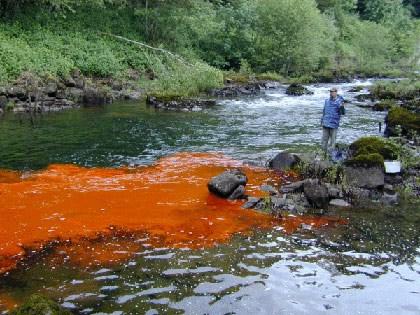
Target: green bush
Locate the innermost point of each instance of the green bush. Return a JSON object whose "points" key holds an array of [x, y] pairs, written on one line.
{"points": [[403, 90], [384, 105]]}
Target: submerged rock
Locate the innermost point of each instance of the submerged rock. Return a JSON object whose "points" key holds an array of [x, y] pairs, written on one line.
{"points": [[251, 203], [238, 193], [225, 184], [40, 305]]}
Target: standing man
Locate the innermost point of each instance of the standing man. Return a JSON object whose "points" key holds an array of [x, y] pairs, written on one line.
{"points": [[333, 109]]}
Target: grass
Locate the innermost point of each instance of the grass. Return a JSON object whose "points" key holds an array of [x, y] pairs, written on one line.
{"points": [[403, 90]]}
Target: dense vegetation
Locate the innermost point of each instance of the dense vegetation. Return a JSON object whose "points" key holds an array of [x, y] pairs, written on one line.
{"points": [[307, 39]]}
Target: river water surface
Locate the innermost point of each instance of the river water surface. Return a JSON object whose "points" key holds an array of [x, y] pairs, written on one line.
{"points": [[106, 211]]}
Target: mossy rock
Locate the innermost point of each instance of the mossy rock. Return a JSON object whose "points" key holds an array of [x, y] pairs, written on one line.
{"points": [[408, 121], [357, 88], [40, 305], [297, 90], [412, 105], [374, 145], [384, 105], [366, 160]]}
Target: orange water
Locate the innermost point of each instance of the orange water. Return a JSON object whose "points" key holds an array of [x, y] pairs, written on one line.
{"points": [[168, 200]]}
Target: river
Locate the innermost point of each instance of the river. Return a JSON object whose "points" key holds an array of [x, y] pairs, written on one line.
{"points": [[181, 250]]}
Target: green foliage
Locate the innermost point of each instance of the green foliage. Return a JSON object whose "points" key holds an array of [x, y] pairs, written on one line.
{"points": [[408, 121], [269, 76], [404, 89], [374, 145], [384, 105], [291, 37], [283, 37], [174, 79]]}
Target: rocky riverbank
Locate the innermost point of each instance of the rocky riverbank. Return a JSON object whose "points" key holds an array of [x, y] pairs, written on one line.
{"points": [[31, 94], [360, 179]]}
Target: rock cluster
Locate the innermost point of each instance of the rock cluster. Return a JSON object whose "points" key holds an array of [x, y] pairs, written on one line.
{"points": [[29, 94], [179, 104], [251, 88], [297, 90]]}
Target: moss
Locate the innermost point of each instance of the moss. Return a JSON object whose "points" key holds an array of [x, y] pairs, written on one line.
{"points": [[366, 160], [40, 305], [408, 121], [374, 145], [167, 97], [384, 105]]}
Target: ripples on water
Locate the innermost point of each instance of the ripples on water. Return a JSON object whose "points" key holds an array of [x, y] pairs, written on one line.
{"points": [[370, 266], [248, 129]]}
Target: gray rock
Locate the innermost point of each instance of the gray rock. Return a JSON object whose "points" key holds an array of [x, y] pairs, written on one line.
{"points": [[283, 161], [333, 191], [251, 203], [95, 96], [278, 203], [225, 184], [69, 82], [132, 95], [293, 187], [17, 91], [339, 203], [393, 179], [270, 189], [297, 90], [3, 101], [51, 89], [238, 193], [74, 94], [316, 193], [364, 177], [390, 198]]}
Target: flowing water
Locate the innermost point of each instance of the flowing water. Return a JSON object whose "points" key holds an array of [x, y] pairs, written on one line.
{"points": [[131, 228]]}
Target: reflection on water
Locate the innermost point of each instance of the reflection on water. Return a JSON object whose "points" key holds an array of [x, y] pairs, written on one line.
{"points": [[311, 271]]}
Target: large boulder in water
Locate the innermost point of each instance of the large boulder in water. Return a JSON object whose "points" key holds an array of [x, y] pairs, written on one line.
{"points": [[283, 161], [228, 183], [297, 90]]}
